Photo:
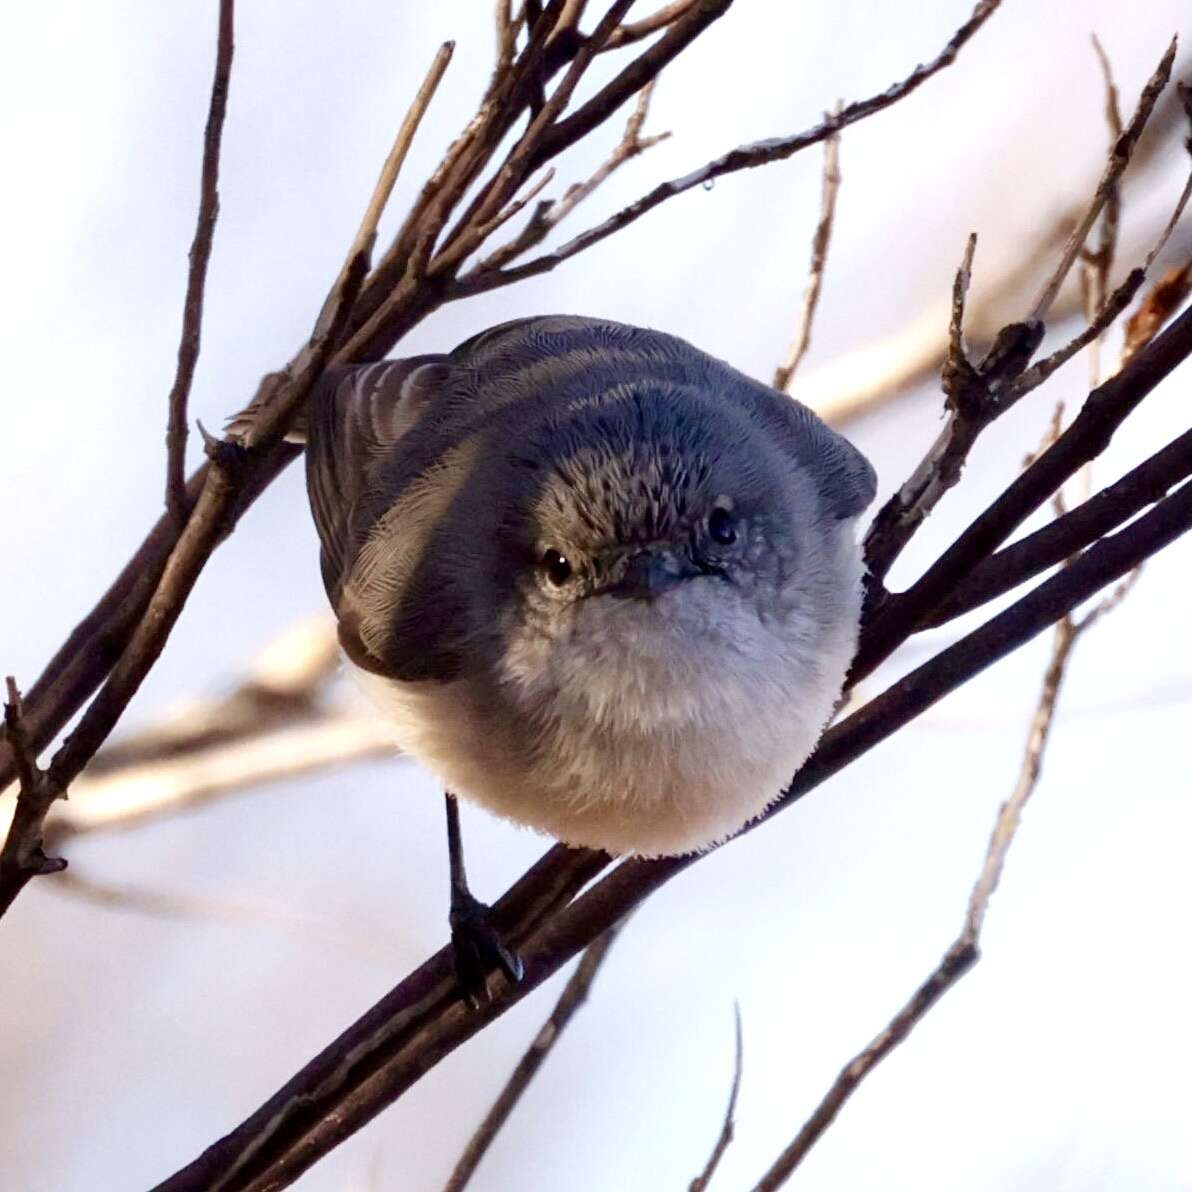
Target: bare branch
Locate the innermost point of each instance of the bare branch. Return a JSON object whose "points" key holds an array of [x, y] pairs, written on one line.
{"points": [[366, 235], [974, 396], [1119, 158], [725, 1138], [200, 254], [631, 31], [785, 372], [743, 158], [548, 215], [956, 962], [680, 33], [1061, 539], [22, 857], [964, 952], [506, 41], [1100, 416], [574, 994], [876, 372], [1031, 378], [227, 478]]}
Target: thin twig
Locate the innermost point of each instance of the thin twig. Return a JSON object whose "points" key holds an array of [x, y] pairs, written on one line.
{"points": [[977, 396], [367, 233], [574, 994], [252, 424], [728, 1125], [877, 372], [506, 40], [1119, 158], [631, 144], [904, 512], [548, 215], [964, 952], [177, 500], [1096, 263], [830, 184], [744, 157]]}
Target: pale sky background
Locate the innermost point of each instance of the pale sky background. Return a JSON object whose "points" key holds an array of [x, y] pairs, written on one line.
{"points": [[131, 1042]]}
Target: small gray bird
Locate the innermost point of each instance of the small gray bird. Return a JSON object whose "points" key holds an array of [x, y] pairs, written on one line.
{"points": [[600, 583]]}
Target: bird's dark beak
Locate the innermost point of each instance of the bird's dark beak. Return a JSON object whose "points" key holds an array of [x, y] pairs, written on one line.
{"points": [[650, 573]]}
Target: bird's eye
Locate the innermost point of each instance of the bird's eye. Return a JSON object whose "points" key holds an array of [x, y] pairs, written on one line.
{"points": [[558, 568], [722, 526]]}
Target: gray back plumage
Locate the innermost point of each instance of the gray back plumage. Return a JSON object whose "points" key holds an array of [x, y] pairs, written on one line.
{"points": [[445, 455]]}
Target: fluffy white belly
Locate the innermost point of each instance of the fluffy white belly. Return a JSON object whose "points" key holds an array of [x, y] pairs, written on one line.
{"points": [[626, 746]]}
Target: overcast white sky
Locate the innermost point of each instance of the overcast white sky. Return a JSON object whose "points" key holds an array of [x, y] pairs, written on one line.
{"points": [[129, 1042]]}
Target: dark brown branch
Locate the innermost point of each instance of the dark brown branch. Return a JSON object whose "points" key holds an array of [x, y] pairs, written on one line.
{"points": [[522, 159], [574, 994], [1104, 411], [743, 158], [680, 33], [542, 891], [22, 857], [507, 98], [200, 254], [210, 521], [973, 398], [1031, 378], [89, 653], [728, 1125], [1064, 537], [208, 525]]}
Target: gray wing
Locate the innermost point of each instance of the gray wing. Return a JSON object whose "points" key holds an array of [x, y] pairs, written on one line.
{"points": [[845, 478], [354, 420]]}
